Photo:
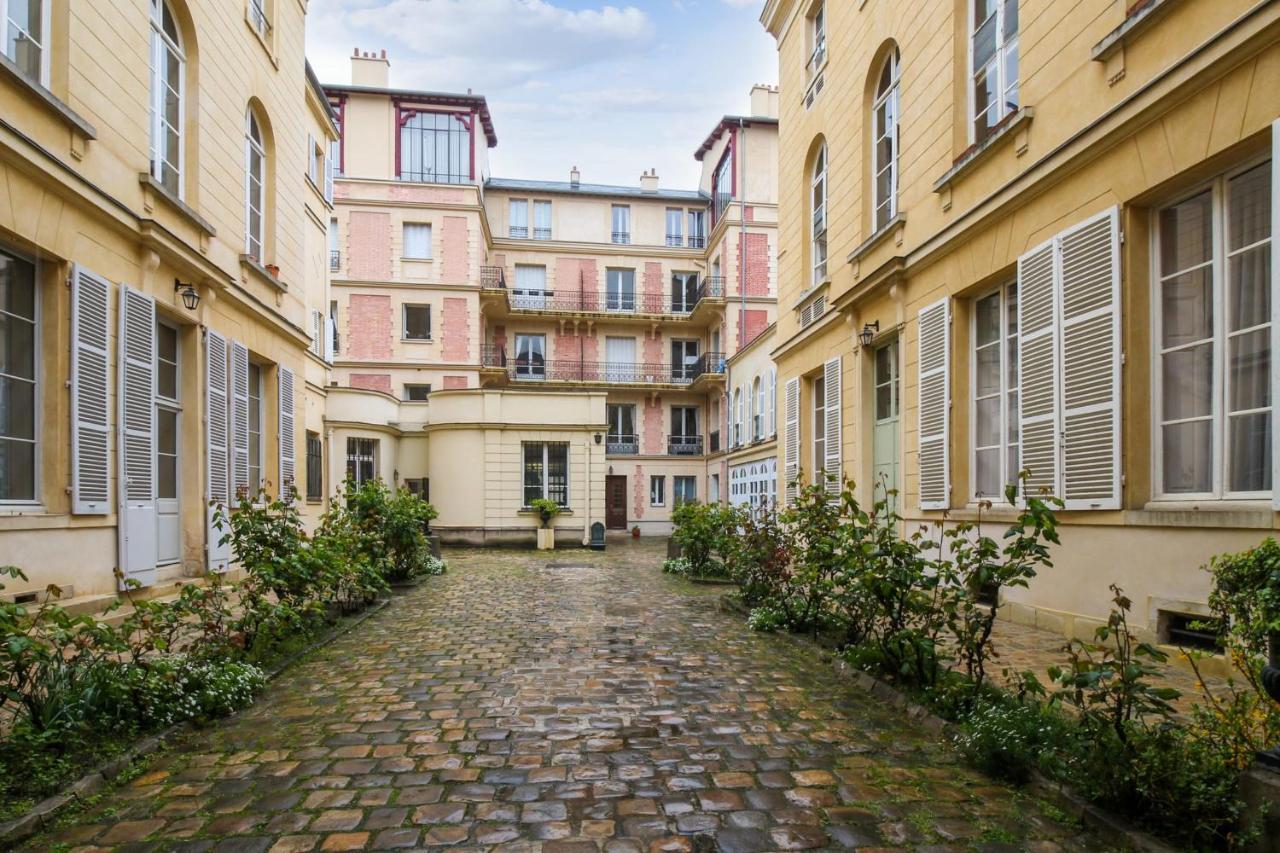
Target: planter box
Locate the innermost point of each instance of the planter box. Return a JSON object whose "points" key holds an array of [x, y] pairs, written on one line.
{"points": [[546, 538]]}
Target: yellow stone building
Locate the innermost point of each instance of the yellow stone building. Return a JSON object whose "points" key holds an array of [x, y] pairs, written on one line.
{"points": [[1030, 234], [163, 275]]}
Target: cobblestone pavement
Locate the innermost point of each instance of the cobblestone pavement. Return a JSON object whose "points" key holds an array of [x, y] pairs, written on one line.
{"points": [[513, 704]]}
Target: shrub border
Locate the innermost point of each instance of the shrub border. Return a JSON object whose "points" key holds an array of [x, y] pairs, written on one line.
{"points": [[1112, 828], [42, 814]]}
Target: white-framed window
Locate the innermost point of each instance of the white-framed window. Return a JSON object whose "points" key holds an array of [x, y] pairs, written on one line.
{"points": [[722, 186], [621, 436], [259, 16], [684, 490], [518, 226], [737, 417], [620, 290], [255, 427], [546, 472], [995, 392], [993, 50], [417, 241], [168, 89], [817, 38], [531, 361], [1213, 317], [773, 401], [26, 36], [255, 182], [621, 218], [697, 228], [417, 392], [19, 381], [818, 185], [819, 429], [335, 253], [884, 143], [168, 402], [416, 322], [362, 460], [657, 490], [675, 226], [542, 220], [757, 411]]}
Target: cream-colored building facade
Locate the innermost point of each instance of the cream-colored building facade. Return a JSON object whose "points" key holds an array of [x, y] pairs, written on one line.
{"points": [[1052, 223], [503, 339], [163, 271]]}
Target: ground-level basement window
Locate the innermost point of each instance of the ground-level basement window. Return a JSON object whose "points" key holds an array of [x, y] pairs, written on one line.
{"points": [[1190, 631]]}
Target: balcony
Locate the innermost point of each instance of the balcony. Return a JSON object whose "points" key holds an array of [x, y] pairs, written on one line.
{"points": [[622, 445], [335, 260], [496, 364], [697, 241], [684, 445], [518, 232], [542, 233], [493, 278], [622, 237], [626, 304], [675, 241]]}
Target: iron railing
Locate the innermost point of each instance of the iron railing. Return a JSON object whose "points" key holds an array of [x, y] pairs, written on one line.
{"points": [[335, 260], [697, 241], [493, 278], [684, 445], [596, 302], [542, 233], [622, 445], [712, 363], [622, 237], [675, 240], [518, 232]]}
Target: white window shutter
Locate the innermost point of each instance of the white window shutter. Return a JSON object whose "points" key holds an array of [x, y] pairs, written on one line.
{"points": [[773, 402], [288, 437], [831, 378], [330, 338], [329, 169], [1089, 261], [791, 450], [240, 422], [217, 448], [137, 447], [934, 363], [317, 333], [1275, 300], [90, 397], [1037, 368]]}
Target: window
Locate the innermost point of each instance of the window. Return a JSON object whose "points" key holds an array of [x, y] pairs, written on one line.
{"points": [[435, 147], [531, 287], [685, 440], [417, 322], [884, 144], [722, 186], [657, 490], [684, 490], [416, 393], [546, 472], [417, 241], [258, 17], [315, 162], [419, 487], [713, 489], [818, 184], [1214, 344], [531, 362], [168, 408], [336, 146], [675, 225], [995, 392], [697, 229], [818, 38], [26, 36], [819, 429], [622, 436], [620, 290], [995, 64], [542, 220], [684, 360], [773, 401], [255, 426], [255, 170], [518, 227], [315, 467], [737, 418], [684, 292], [621, 223], [168, 69], [335, 254], [757, 418], [362, 460]]}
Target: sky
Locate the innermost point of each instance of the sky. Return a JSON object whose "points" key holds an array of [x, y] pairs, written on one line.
{"points": [[610, 86]]}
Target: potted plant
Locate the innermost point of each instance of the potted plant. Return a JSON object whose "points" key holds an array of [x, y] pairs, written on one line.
{"points": [[635, 531], [547, 510]]}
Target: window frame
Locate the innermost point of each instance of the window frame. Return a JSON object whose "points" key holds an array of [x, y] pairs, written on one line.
{"points": [[539, 232], [676, 215], [620, 214], [404, 241], [818, 439], [531, 370], [160, 45], [544, 485], [465, 171], [678, 480], [315, 485], [514, 231], [816, 22], [360, 443], [256, 367], [1004, 340], [1219, 415], [169, 406], [46, 25], [37, 382], [723, 184], [891, 100], [255, 145], [1000, 57], [658, 490], [818, 182], [408, 398], [404, 322], [757, 409]]}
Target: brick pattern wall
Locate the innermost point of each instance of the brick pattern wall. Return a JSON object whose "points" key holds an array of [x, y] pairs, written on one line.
{"points": [[452, 383], [455, 330], [757, 264], [372, 381], [427, 195], [500, 337], [653, 349], [651, 435], [591, 348], [755, 322], [369, 245], [574, 276], [652, 291], [369, 327], [455, 249], [639, 490]]}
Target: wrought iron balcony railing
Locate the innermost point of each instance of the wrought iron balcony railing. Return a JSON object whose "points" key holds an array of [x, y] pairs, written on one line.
{"points": [[594, 302], [684, 445], [622, 237], [622, 445], [675, 240], [697, 241], [709, 363], [518, 232], [335, 260], [542, 233], [493, 278], [537, 369]]}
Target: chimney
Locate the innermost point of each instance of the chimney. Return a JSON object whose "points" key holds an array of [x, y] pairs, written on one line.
{"points": [[764, 101], [575, 177], [370, 69], [649, 181]]}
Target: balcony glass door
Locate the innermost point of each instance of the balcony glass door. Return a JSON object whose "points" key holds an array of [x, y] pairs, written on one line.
{"points": [[685, 438], [684, 292], [622, 438], [684, 360], [531, 359], [620, 360], [620, 294], [531, 287]]}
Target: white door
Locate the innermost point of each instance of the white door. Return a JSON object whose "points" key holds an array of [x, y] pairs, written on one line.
{"points": [[168, 423], [531, 362], [620, 360], [531, 287], [620, 293]]}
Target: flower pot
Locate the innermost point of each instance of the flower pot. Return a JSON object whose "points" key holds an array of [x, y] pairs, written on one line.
{"points": [[635, 532], [546, 538]]}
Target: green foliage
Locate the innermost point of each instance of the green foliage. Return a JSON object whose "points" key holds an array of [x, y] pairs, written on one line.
{"points": [[546, 509], [388, 527], [677, 566], [1011, 739], [759, 555], [704, 533]]}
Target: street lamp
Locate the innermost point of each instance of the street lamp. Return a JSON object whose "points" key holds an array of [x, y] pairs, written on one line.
{"points": [[190, 296], [868, 333]]}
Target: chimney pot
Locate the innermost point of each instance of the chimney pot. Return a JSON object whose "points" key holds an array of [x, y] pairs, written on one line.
{"points": [[575, 177]]}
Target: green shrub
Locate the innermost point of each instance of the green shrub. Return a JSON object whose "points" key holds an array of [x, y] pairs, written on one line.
{"points": [[677, 566], [389, 527], [759, 556], [1010, 739], [704, 533]]}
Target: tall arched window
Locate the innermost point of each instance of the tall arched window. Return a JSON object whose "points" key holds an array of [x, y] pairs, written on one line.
{"points": [[255, 181], [757, 420], [884, 143], [773, 401], [737, 417], [168, 88], [818, 184]]}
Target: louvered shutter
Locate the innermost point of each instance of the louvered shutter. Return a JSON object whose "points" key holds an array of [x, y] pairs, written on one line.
{"points": [[831, 376], [240, 422], [1089, 261], [317, 333], [934, 328], [287, 439], [217, 448], [330, 339], [773, 403], [1275, 300], [90, 416], [137, 448], [1037, 369], [791, 449], [329, 169]]}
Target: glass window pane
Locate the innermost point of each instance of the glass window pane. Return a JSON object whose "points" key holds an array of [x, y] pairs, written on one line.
{"points": [[987, 371], [17, 408], [17, 287], [1186, 304], [1186, 457], [1186, 234], [987, 320], [1249, 366], [167, 436], [987, 428], [17, 347], [1010, 19], [1249, 207], [987, 474], [1249, 288], [1188, 382], [17, 471], [984, 42], [1249, 462]]}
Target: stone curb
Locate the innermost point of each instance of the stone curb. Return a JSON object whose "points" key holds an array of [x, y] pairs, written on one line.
{"points": [[1113, 829], [43, 813]]}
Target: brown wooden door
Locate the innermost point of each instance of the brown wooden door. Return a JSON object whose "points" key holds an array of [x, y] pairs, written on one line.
{"points": [[615, 502]]}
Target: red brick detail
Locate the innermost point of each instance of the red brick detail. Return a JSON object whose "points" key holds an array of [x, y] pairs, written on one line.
{"points": [[372, 381], [756, 321], [455, 249], [455, 330], [651, 436], [757, 264], [452, 383], [591, 348], [369, 245], [638, 493], [577, 277], [653, 349], [369, 328], [500, 337], [652, 289], [749, 213], [427, 195]]}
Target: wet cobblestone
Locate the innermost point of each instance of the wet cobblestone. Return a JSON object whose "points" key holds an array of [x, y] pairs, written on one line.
{"points": [[510, 705]]}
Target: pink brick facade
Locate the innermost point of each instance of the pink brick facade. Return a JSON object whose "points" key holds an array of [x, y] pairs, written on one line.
{"points": [[757, 265], [455, 251], [639, 498], [652, 291], [455, 383], [577, 277], [369, 327], [754, 322], [651, 438], [427, 195], [653, 349], [372, 381], [369, 245], [455, 330]]}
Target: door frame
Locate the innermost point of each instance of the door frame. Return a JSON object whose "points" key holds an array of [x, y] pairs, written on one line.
{"points": [[609, 481]]}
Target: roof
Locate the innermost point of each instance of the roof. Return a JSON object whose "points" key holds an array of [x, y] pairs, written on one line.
{"points": [[726, 123], [566, 188], [477, 102], [314, 82]]}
